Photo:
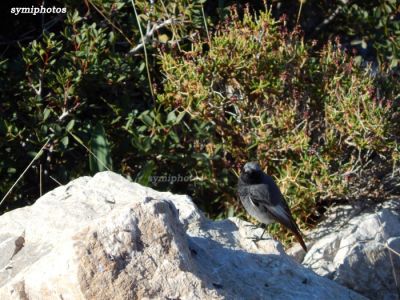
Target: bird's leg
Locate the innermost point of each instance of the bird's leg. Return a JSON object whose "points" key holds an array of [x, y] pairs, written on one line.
{"points": [[260, 238], [262, 234]]}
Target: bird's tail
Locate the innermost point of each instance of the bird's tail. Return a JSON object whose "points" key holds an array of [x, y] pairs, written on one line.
{"points": [[299, 238], [292, 226]]}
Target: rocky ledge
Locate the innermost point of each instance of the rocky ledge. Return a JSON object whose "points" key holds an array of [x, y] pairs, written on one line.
{"points": [[108, 238], [358, 246]]}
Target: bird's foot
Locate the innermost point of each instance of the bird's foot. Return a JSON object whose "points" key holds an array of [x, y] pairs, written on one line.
{"points": [[259, 238], [252, 226]]}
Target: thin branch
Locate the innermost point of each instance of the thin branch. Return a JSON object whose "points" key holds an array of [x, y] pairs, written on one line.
{"points": [[110, 22], [174, 30], [38, 90], [87, 148], [299, 13], [331, 17], [55, 180], [144, 48], [40, 180], [66, 112], [205, 25], [26, 169], [27, 37], [150, 33]]}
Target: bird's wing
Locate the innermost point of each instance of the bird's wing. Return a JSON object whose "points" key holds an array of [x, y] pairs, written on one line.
{"points": [[271, 201], [266, 200]]}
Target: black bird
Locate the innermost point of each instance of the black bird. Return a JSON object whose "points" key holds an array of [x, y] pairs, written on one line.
{"points": [[263, 200]]}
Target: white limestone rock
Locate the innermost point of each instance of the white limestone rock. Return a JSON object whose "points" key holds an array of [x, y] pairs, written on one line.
{"points": [[356, 247], [108, 238]]}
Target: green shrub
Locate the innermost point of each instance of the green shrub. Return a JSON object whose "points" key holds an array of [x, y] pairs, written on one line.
{"points": [[312, 118], [370, 28], [83, 86]]}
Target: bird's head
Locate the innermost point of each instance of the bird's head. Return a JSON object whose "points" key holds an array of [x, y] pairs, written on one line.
{"points": [[251, 167], [251, 173]]}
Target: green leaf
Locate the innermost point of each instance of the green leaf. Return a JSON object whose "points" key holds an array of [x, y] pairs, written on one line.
{"points": [[3, 127], [70, 125], [64, 142], [46, 114], [146, 119], [174, 137], [144, 175], [163, 38], [57, 129], [32, 153], [171, 117], [100, 158], [119, 5], [11, 170]]}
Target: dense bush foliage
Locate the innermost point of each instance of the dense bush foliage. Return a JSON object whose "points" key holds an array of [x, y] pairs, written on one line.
{"points": [[370, 28], [83, 85], [198, 103], [313, 119]]}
